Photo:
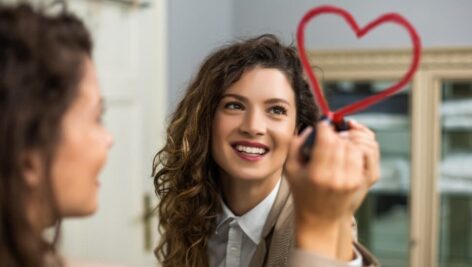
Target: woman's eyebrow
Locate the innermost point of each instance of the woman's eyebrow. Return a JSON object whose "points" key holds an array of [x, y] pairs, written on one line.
{"points": [[268, 101], [277, 100], [238, 97]]}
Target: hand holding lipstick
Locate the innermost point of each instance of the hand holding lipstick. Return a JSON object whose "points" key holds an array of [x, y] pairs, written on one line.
{"points": [[330, 187]]}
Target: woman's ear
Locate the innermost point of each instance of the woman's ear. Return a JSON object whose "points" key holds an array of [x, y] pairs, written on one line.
{"points": [[32, 168]]}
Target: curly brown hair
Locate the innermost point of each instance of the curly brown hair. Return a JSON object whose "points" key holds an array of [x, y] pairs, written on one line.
{"points": [[41, 64], [185, 174]]}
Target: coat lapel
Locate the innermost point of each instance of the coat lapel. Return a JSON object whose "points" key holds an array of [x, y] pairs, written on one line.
{"points": [[275, 215]]}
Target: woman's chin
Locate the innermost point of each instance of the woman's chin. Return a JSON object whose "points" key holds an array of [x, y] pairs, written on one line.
{"points": [[82, 211]]}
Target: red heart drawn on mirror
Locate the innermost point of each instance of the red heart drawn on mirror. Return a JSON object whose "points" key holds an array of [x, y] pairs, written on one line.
{"points": [[338, 115]]}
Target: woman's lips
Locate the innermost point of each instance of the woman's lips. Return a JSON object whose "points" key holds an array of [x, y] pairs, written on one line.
{"points": [[250, 151]]}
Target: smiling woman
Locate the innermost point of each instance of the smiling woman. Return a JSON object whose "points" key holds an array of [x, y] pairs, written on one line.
{"points": [[229, 105], [224, 200], [252, 129]]}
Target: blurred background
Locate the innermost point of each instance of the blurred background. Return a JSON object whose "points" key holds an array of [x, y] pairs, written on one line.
{"points": [[418, 214]]}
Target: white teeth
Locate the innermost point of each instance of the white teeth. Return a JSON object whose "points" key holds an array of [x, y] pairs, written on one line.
{"points": [[250, 150]]}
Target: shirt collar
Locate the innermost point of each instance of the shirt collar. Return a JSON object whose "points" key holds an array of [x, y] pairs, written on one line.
{"points": [[252, 222]]}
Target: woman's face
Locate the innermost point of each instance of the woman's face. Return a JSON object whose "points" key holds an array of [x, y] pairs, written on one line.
{"points": [[82, 150], [253, 126]]}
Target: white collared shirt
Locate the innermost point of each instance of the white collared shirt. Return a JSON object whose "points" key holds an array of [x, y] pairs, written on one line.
{"points": [[235, 239]]}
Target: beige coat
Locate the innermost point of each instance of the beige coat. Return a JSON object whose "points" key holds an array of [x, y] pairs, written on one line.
{"points": [[277, 245]]}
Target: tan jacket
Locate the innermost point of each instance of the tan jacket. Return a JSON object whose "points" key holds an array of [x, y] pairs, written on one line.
{"points": [[277, 245]]}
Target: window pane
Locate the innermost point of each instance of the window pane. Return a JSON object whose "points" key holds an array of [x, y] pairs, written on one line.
{"points": [[383, 219], [455, 175]]}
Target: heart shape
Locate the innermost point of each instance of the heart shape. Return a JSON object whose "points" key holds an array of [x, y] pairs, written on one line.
{"points": [[338, 115]]}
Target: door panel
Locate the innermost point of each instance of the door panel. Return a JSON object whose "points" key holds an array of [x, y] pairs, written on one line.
{"points": [[130, 58]]}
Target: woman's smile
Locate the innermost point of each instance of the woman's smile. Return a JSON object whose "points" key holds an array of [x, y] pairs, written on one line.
{"points": [[250, 151]]}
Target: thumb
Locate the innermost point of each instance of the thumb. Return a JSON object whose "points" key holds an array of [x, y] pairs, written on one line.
{"points": [[294, 161]]}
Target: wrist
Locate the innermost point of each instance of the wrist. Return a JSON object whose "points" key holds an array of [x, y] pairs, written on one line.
{"points": [[345, 250], [318, 236]]}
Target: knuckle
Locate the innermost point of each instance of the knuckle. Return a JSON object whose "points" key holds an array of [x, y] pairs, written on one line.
{"points": [[376, 146], [373, 134], [337, 184], [325, 137], [320, 176]]}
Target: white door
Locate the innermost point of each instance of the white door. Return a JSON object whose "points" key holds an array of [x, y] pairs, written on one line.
{"points": [[130, 58]]}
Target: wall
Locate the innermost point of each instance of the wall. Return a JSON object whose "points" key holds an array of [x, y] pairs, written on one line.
{"points": [[439, 22], [195, 28]]}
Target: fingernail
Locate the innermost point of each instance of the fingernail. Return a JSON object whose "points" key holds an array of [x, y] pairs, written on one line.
{"points": [[325, 122]]}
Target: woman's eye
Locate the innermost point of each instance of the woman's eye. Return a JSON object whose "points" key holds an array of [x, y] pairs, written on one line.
{"points": [[278, 110], [233, 105]]}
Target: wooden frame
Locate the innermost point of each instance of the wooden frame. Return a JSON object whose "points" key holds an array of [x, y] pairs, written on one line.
{"points": [[436, 65]]}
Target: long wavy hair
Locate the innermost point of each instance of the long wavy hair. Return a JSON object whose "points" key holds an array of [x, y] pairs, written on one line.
{"points": [[185, 174], [41, 65]]}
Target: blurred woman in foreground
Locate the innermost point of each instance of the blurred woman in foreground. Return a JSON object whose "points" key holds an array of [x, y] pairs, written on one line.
{"points": [[52, 141]]}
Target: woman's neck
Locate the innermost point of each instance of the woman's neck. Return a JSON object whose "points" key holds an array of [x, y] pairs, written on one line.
{"points": [[38, 215], [242, 195]]}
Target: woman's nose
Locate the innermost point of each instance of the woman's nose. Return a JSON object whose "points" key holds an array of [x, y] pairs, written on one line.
{"points": [[254, 123]]}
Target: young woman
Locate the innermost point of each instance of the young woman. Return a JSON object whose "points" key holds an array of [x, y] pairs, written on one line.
{"points": [[223, 198], [50, 118]]}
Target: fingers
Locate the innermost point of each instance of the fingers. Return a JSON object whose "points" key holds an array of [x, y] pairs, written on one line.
{"points": [[364, 138], [325, 139], [354, 165], [326, 187], [370, 147], [371, 155], [357, 126], [335, 157], [338, 163], [324, 152]]}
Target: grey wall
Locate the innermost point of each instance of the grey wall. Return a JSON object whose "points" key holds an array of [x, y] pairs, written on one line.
{"points": [[196, 29], [439, 22]]}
